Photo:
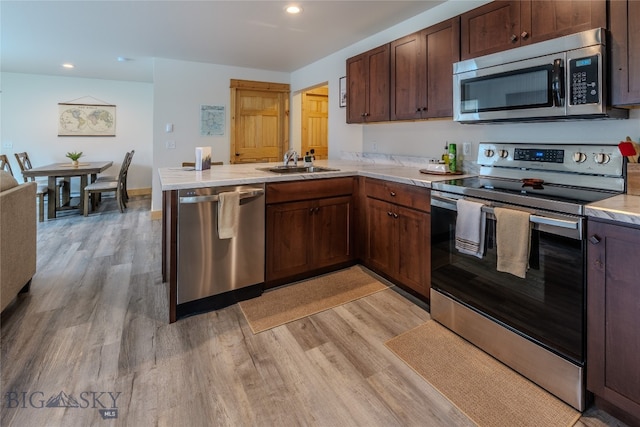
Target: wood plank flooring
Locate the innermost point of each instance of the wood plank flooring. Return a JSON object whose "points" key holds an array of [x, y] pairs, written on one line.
{"points": [[94, 327]]}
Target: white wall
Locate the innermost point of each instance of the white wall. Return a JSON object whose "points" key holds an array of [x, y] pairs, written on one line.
{"points": [[30, 122], [180, 88]]}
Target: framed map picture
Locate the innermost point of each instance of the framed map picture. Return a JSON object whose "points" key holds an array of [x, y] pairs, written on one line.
{"points": [[86, 120], [211, 120]]}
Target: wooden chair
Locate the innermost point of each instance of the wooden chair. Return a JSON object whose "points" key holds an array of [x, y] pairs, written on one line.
{"points": [[4, 164], [25, 164], [118, 187], [127, 159]]}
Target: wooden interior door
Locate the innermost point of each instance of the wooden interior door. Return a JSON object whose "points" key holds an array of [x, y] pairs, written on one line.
{"points": [[315, 118], [259, 122]]}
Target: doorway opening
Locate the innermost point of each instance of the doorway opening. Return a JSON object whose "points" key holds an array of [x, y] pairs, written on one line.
{"points": [[310, 121]]}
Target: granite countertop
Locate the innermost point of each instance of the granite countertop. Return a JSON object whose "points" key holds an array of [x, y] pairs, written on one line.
{"points": [[178, 178], [623, 208]]}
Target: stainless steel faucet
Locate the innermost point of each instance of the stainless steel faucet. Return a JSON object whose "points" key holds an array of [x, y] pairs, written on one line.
{"points": [[291, 155]]}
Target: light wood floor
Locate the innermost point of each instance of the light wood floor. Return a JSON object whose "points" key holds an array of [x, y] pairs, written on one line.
{"points": [[95, 322]]}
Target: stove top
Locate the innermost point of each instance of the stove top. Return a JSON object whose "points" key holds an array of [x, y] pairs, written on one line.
{"points": [[561, 178]]}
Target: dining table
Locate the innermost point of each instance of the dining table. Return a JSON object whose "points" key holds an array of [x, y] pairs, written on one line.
{"points": [[87, 171]]}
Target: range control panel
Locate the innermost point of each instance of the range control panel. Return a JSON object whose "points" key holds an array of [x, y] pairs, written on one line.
{"points": [[539, 155], [585, 159]]}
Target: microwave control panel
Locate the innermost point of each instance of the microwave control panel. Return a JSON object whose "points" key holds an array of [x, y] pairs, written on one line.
{"points": [[583, 79]]}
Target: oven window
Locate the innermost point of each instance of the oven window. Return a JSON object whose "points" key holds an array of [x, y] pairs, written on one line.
{"points": [[528, 88], [546, 307]]}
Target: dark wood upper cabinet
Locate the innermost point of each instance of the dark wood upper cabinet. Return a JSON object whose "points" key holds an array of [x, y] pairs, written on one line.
{"points": [[421, 72], [625, 52], [368, 86], [502, 25]]}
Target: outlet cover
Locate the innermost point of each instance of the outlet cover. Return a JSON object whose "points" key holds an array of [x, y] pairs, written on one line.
{"points": [[466, 148], [171, 145]]}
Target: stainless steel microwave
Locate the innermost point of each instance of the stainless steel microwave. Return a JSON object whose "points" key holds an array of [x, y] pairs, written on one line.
{"points": [[563, 78]]}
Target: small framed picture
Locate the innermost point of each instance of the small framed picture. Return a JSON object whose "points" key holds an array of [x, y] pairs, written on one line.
{"points": [[343, 91]]}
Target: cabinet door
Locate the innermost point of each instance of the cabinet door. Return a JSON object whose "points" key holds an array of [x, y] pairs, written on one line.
{"points": [[442, 48], [381, 236], [331, 242], [414, 249], [408, 78], [378, 85], [491, 28], [613, 315], [288, 239], [625, 52], [357, 88], [548, 19]]}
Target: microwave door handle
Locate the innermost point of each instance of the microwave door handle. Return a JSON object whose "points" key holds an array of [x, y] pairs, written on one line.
{"points": [[557, 86]]}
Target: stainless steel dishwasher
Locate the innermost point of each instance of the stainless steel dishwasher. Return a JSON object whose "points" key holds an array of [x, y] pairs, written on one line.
{"points": [[212, 272]]}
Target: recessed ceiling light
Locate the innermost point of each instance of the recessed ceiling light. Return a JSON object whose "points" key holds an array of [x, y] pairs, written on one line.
{"points": [[67, 65], [293, 9]]}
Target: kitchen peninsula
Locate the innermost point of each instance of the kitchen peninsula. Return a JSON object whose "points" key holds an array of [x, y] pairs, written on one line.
{"points": [[337, 199]]}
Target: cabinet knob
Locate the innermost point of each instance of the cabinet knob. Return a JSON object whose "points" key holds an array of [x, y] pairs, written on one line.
{"points": [[393, 194], [395, 215], [390, 213], [513, 38], [524, 35], [595, 239], [237, 154]]}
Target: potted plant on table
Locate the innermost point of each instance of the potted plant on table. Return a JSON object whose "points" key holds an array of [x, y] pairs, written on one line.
{"points": [[74, 156]]}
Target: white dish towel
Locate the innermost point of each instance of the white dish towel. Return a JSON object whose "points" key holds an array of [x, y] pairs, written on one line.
{"points": [[228, 214], [470, 228]]}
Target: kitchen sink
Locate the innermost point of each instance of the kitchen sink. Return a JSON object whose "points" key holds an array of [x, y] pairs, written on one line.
{"points": [[298, 169]]}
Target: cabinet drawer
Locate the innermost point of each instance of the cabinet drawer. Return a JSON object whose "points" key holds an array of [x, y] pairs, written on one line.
{"points": [[279, 192], [401, 194]]}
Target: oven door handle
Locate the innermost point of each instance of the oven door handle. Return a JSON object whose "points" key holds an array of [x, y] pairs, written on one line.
{"points": [[545, 223], [554, 222]]}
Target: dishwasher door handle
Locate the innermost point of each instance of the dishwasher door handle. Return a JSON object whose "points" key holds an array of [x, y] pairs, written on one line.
{"points": [[248, 194]]}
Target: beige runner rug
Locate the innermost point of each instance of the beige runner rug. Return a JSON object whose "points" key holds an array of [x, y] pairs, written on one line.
{"points": [[286, 304], [488, 392]]}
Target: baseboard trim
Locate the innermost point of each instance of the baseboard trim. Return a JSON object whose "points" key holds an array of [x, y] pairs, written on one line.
{"points": [[156, 215], [133, 192]]}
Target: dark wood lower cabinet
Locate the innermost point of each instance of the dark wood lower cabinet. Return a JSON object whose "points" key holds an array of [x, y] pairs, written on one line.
{"points": [[613, 319], [308, 228], [398, 234]]}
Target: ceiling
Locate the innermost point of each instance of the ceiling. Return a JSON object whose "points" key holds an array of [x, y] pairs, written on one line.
{"points": [[37, 37]]}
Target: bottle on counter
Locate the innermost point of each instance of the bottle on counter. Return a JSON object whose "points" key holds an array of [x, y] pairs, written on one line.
{"points": [[445, 157], [452, 158]]}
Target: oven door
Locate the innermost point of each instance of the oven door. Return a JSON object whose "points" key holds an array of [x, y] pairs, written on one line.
{"points": [[547, 307]]}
